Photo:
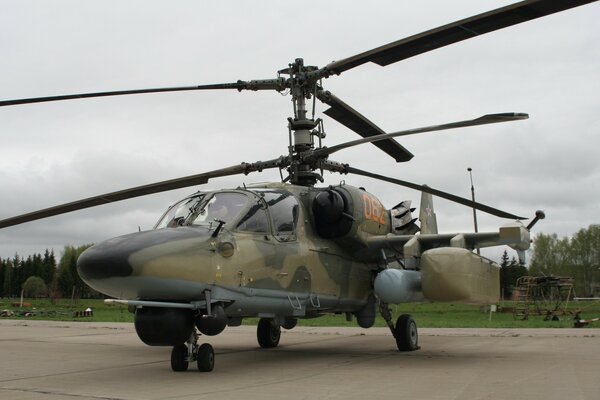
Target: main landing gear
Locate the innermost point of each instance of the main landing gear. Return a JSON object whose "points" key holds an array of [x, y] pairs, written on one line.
{"points": [[184, 353], [268, 333], [405, 331]]}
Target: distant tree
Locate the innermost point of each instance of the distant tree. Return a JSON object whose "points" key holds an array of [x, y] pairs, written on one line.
{"points": [[65, 282], [27, 269], [510, 271], [69, 281], [8, 278], [16, 276], [3, 266], [37, 266], [504, 275], [48, 267], [585, 258], [550, 256], [66, 265], [34, 287], [517, 270]]}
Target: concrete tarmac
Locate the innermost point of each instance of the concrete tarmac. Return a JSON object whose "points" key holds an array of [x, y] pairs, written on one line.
{"points": [[66, 360]]}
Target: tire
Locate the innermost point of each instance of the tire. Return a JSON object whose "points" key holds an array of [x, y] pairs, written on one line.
{"points": [[407, 336], [267, 333], [289, 323], [206, 358], [179, 358]]}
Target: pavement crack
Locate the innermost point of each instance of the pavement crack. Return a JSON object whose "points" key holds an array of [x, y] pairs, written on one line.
{"points": [[55, 393], [81, 371]]}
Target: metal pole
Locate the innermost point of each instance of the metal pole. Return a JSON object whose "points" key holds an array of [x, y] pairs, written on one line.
{"points": [[473, 197]]}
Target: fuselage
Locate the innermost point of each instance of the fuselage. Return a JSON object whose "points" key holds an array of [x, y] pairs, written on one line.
{"points": [[257, 250]]}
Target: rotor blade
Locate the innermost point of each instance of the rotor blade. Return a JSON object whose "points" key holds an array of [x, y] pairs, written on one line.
{"points": [[355, 121], [435, 192], [191, 180], [486, 119], [266, 84], [455, 32]]}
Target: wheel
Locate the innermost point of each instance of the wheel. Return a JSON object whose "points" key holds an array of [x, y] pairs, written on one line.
{"points": [[206, 358], [267, 333], [407, 337], [179, 358], [289, 323]]}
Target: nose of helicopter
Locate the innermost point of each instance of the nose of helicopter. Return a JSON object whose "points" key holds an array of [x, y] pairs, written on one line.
{"points": [[117, 260], [109, 258]]}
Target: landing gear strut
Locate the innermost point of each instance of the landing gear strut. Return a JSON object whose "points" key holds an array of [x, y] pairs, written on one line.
{"points": [[405, 331], [183, 354]]}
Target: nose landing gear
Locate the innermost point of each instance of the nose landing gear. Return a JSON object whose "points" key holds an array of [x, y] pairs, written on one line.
{"points": [[184, 353]]}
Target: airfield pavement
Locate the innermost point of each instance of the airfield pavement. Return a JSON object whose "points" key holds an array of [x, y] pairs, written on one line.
{"points": [[70, 360]]}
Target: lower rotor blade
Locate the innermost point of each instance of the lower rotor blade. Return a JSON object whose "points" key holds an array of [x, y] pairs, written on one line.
{"points": [[152, 188], [435, 192], [486, 119]]}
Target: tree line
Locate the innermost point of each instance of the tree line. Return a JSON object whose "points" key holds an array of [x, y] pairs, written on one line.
{"points": [[42, 276], [577, 257]]}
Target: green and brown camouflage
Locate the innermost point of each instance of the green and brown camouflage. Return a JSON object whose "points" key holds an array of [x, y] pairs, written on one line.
{"points": [[286, 251], [310, 273]]}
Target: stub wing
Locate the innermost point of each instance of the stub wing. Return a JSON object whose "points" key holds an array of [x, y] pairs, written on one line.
{"points": [[443, 267], [513, 234]]}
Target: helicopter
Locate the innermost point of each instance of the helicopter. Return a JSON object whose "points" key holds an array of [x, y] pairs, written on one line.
{"points": [[291, 249]]}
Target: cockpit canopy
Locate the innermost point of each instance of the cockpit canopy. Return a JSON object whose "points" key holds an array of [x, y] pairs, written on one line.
{"points": [[260, 210]]}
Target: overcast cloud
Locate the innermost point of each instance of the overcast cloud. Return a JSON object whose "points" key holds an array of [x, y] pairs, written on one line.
{"points": [[53, 153]]}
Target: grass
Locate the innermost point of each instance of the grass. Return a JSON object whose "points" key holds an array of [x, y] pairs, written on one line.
{"points": [[64, 310], [427, 315]]}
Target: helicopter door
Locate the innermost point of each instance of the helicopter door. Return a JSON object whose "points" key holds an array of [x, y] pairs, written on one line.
{"points": [[291, 266], [271, 252], [283, 209]]}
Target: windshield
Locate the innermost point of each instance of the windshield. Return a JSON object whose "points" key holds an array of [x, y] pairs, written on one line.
{"points": [[204, 209], [177, 214], [221, 207]]}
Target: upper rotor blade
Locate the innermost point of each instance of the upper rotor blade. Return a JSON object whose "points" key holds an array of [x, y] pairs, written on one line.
{"points": [[152, 188], [278, 84], [235, 85], [486, 119], [435, 192], [455, 32], [357, 122]]}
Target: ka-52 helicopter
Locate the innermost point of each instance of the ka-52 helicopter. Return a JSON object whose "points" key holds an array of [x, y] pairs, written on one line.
{"points": [[291, 249]]}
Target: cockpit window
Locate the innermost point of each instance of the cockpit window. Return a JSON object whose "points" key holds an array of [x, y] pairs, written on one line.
{"points": [[221, 207], [283, 208], [177, 214], [204, 209], [255, 220]]}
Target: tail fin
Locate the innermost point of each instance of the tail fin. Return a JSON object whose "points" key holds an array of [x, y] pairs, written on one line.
{"points": [[427, 215]]}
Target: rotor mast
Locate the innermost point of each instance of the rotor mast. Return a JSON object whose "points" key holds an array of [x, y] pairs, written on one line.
{"points": [[302, 83]]}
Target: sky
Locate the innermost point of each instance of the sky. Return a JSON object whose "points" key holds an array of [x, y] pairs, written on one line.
{"points": [[52, 153]]}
